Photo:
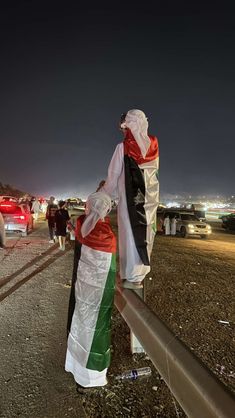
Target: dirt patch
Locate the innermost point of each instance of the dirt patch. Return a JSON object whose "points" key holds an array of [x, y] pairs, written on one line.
{"points": [[193, 292]]}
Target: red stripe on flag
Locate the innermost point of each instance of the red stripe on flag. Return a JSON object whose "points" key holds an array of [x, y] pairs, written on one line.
{"points": [[101, 238], [131, 148]]}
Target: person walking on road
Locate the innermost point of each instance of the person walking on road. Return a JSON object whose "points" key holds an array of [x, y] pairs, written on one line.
{"points": [[61, 221], [35, 209], [167, 225], [50, 216], [88, 348], [133, 182]]}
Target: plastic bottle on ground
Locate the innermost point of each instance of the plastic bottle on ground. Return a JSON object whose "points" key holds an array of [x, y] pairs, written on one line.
{"points": [[134, 374]]}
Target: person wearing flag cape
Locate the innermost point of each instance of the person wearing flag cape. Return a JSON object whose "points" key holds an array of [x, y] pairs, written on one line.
{"points": [[89, 322], [133, 179]]}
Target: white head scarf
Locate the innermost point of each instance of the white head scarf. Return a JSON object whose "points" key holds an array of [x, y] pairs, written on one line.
{"points": [[98, 205], [137, 122]]}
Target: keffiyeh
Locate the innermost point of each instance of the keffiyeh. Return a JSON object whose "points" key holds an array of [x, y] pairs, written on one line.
{"points": [[137, 122]]}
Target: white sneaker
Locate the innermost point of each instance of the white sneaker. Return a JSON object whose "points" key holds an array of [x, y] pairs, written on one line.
{"points": [[51, 241]]}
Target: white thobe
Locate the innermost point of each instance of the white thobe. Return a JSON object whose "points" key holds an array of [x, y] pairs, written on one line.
{"points": [[131, 266], [167, 226], [173, 226]]}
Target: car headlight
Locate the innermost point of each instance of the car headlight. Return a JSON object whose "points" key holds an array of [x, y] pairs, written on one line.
{"points": [[208, 226], [191, 226]]}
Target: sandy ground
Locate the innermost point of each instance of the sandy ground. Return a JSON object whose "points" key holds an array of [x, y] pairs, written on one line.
{"points": [[192, 289]]}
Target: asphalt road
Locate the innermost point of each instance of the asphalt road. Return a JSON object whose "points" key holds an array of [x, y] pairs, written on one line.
{"points": [[34, 293], [33, 329]]}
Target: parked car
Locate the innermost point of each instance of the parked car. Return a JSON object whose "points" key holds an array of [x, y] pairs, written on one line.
{"points": [[228, 222], [17, 217], [187, 223], [72, 203]]}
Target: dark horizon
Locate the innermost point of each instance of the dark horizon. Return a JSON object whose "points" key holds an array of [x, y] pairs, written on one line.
{"points": [[68, 73]]}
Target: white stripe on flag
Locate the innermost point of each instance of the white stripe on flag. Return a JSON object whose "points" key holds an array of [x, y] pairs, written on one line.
{"points": [[93, 269]]}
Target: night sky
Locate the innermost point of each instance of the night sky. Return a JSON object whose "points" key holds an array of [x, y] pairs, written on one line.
{"points": [[69, 70]]}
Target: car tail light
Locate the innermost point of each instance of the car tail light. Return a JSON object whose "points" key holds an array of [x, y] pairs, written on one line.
{"points": [[19, 217]]}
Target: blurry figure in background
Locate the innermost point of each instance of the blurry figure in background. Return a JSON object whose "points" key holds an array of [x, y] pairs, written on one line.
{"points": [[132, 182], [50, 216], [27, 200], [61, 221], [35, 209], [2, 233], [71, 227], [167, 225], [88, 351], [30, 202], [161, 225], [173, 225], [43, 206]]}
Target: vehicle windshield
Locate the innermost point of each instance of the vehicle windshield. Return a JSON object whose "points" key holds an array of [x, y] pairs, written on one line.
{"points": [[8, 199], [9, 209], [188, 217]]}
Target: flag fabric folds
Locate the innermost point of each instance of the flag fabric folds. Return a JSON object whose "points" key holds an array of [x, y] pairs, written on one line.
{"points": [[88, 349]]}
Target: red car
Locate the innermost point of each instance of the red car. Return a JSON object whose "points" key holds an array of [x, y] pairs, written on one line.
{"points": [[17, 217]]}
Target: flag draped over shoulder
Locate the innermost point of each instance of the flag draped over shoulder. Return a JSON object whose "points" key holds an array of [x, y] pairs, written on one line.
{"points": [[142, 185], [88, 352]]}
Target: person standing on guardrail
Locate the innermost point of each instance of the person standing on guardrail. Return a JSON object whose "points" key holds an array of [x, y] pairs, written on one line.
{"points": [[88, 348], [133, 180], [50, 216]]}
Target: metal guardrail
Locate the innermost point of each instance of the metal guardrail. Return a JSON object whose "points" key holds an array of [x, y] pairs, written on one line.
{"points": [[196, 388]]}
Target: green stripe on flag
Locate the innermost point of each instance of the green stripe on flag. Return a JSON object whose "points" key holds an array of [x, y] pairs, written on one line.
{"points": [[99, 357], [154, 227], [157, 174]]}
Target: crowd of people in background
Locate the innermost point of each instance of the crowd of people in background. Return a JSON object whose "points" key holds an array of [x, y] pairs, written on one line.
{"points": [[55, 212], [36, 205]]}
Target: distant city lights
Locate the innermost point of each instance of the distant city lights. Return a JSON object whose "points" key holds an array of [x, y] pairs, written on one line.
{"points": [[214, 207]]}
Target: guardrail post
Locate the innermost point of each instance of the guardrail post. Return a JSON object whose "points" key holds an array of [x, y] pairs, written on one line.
{"points": [[136, 346]]}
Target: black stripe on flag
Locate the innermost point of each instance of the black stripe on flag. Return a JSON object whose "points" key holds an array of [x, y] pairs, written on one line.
{"points": [[135, 196]]}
